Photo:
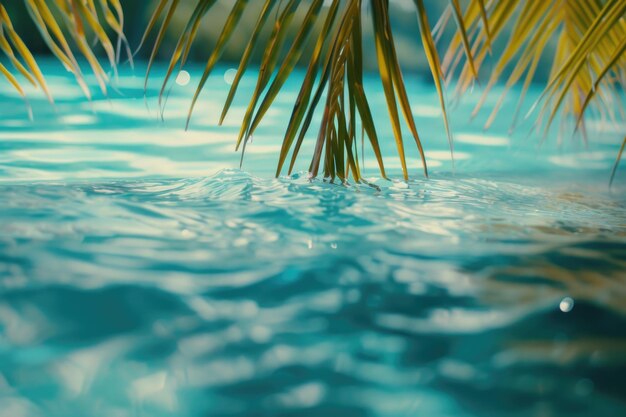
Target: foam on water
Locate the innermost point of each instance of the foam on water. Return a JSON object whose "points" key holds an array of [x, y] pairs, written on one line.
{"points": [[141, 274]]}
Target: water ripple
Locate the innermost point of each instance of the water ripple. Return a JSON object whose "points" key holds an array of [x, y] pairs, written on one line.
{"points": [[300, 295], [133, 284]]}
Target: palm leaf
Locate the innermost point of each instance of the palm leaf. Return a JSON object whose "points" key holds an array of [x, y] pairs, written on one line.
{"points": [[337, 51], [67, 25], [617, 161], [585, 70], [587, 74], [10, 41], [588, 65]]}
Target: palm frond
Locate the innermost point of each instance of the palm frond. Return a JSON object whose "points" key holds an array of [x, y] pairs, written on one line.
{"points": [[617, 161], [587, 68], [17, 52], [67, 26], [587, 73], [334, 66]]}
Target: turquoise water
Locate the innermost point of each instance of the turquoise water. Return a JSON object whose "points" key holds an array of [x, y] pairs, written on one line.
{"points": [[143, 274]]}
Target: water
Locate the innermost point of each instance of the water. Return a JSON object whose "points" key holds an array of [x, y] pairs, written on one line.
{"points": [[143, 274]]}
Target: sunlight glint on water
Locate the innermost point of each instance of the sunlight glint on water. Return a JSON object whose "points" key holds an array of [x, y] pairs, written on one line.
{"points": [[143, 274]]}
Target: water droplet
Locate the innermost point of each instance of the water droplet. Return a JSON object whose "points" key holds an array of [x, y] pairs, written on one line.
{"points": [[229, 76], [566, 305], [183, 78]]}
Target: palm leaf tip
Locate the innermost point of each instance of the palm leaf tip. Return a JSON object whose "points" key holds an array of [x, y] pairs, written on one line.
{"points": [[617, 162], [66, 26], [20, 56]]}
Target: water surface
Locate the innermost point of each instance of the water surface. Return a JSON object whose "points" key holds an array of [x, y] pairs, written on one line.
{"points": [[142, 273]]}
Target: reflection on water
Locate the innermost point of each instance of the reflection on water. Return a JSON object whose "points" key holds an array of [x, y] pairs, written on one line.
{"points": [[125, 290]]}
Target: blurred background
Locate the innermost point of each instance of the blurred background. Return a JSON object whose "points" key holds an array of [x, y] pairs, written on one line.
{"points": [[137, 14]]}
